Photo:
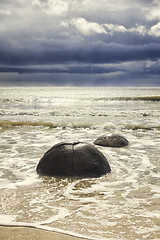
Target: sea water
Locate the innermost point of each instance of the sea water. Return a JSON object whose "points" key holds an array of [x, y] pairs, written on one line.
{"points": [[124, 204]]}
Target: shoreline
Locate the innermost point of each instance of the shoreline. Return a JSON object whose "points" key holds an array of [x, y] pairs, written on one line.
{"points": [[32, 233]]}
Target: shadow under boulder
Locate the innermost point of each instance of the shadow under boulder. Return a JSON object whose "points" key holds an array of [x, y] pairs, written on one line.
{"points": [[73, 160], [114, 140]]}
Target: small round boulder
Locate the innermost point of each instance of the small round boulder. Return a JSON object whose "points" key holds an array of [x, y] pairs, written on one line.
{"points": [[73, 160], [114, 140]]}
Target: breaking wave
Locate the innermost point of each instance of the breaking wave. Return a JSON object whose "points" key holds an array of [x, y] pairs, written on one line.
{"points": [[12, 124], [4, 125], [152, 98]]}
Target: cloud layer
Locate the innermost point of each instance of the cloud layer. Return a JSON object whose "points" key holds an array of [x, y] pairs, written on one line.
{"points": [[108, 42]]}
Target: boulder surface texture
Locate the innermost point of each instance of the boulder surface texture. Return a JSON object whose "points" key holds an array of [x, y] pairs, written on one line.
{"points": [[114, 140], [73, 160]]}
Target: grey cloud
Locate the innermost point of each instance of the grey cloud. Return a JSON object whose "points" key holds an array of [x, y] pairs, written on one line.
{"points": [[39, 35]]}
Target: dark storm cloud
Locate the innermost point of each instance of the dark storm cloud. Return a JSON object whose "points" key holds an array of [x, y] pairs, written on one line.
{"points": [[70, 69], [97, 53]]}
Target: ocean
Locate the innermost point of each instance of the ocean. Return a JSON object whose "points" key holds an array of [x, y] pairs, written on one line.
{"points": [[124, 204]]}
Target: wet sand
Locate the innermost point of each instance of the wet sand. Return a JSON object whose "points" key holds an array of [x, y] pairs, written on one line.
{"points": [[27, 233]]}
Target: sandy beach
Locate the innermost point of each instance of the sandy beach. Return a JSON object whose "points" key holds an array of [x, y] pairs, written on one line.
{"points": [[26, 233]]}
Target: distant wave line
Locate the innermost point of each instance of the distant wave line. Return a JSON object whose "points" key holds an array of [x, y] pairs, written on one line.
{"points": [[147, 98], [5, 124]]}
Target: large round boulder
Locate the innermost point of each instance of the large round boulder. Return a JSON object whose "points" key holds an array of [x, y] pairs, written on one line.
{"points": [[73, 160], [114, 140]]}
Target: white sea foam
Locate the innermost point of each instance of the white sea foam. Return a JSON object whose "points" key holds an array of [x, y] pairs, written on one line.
{"points": [[62, 213], [6, 219]]}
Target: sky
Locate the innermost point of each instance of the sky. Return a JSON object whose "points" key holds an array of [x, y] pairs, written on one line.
{"points": [[80, 42]]}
